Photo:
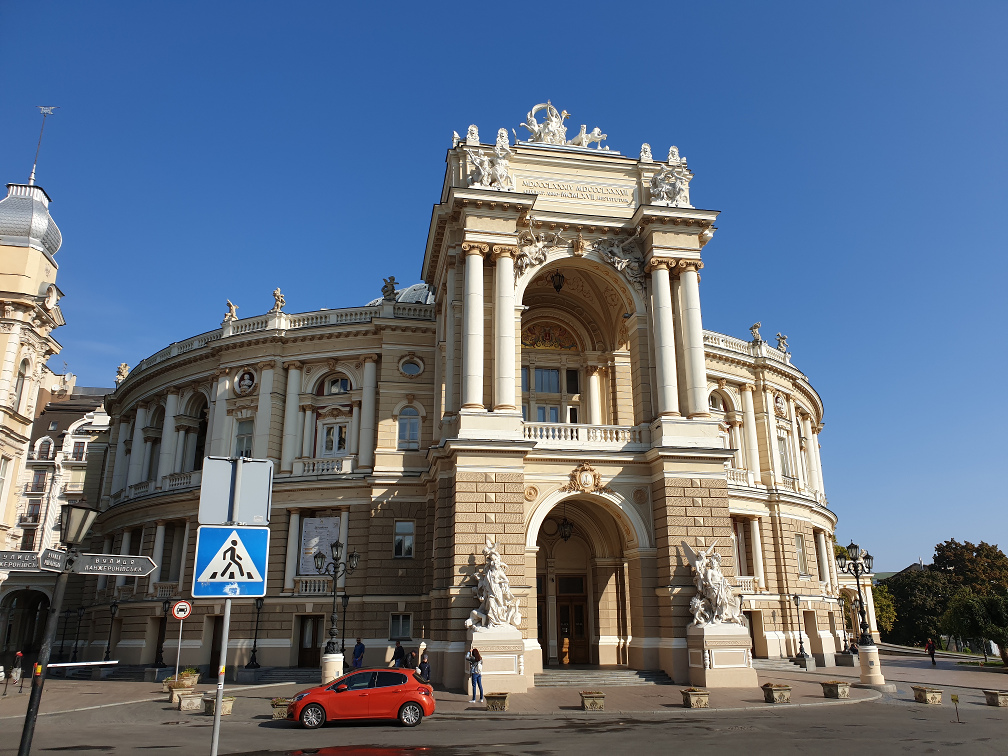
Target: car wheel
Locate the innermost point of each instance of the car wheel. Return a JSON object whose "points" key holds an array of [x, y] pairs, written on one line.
{"points": [[410, 714], [312, 716]]}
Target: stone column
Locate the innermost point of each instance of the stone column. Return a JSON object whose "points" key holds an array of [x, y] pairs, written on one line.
{"points": [[664, 328], [818, 460], [124, 548], [504, 330], [365, 458], [8, 370], [834, 581], [594, 395], [290, 421], [757, 551], [824, 570], [450, 315], [735, 434], [693, 348], [221, 444], [180, 449], [353, 442], [264, 410], [344, 531], [308, 442], [106, 549], [168, 437], [137, 449], [813, 477], [472, 327], [185, 553], [796, 444], [553, 650], [157, 556], [119, 472], [293, 549], [749, 426]]}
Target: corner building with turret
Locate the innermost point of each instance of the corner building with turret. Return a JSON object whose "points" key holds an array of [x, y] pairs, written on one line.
{"points": [[549, 385]]}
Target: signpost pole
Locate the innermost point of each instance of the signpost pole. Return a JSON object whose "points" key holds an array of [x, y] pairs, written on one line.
{"points": [[178, 656]]}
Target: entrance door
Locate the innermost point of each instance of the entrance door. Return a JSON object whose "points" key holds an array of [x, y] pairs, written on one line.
{"points": [[309, 650], [572, 620]]}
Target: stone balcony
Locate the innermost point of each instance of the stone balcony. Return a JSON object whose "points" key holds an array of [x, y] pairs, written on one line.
{"points": [[169, 483], [745, 583], [588, 437], [313, 586], [309, 467]]}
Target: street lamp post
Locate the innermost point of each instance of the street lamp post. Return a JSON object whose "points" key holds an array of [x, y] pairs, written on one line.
{"points": [[113, 610], [75, 521], [858, 562], [80, 618], [336, 569], [801, 640], [159, 659], [253, 661]]}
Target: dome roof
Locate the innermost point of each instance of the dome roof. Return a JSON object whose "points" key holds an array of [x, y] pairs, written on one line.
{"points": [[418, 293], [25, 219]]}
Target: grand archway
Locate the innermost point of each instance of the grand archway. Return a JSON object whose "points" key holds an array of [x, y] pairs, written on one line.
{"points": [[23, 615]]}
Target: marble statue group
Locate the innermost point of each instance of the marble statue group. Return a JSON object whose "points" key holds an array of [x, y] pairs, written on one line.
{"points": [[498, 606], [715, 601]]}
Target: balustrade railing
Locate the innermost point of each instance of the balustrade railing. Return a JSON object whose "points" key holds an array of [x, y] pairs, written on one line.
{"points": [[637, 437], [176, 481], [737, 477], [28, 518], [314, 586], [325, 466], [138, 489], [166, 590], [745, 583]]}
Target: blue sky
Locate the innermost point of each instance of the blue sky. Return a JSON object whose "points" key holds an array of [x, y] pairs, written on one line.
{"points": [[857, 153]]}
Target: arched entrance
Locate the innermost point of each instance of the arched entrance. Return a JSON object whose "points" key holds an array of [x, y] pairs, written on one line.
{"points": [[587, 578], [23, 615]]}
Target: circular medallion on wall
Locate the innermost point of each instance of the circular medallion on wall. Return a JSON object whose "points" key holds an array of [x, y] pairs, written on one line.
{"points": [[640, 496], [411, 366], [244, 382], [550, 527], [531, 493]]}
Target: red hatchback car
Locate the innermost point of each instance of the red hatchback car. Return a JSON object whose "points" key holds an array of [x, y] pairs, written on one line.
{"points": [[365, 694]]}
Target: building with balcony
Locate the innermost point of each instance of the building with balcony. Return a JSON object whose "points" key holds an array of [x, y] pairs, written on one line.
{"points": [[548, 385]]}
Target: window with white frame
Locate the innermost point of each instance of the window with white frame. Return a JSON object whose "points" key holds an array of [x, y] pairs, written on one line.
{"points": [[784, 449], [337, 385], [409, 428], [400, 626], [333, 439], [547, 381], [243, 438], [799, 541], [19, 385], [403, 539], [4, 470]]}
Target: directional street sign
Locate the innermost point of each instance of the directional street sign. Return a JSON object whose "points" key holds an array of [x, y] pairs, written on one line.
{"points": [[114, 564], [19, 560], [51, 559], [230, 561]]}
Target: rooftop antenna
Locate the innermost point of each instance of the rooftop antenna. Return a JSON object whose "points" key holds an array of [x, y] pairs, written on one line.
{"points": [[46, 110]]}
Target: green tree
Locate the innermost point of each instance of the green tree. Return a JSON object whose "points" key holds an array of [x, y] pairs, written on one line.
{"points": [[920, 598], [982, 568], [839, 550], [965, 616], [885, 610], [996, 622]]}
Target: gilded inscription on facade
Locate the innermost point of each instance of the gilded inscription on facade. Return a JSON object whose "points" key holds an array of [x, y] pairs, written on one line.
{"points": [[616, 195]]}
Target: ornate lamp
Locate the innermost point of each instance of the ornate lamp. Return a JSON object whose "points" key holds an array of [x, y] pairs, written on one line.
{"points": [[853, 551], [566, 526], [75, 521], [337, 550], [801, 640], [354, 561], [841, 562], [557, 279], [868, 560], [336, 569], [319, 561]]}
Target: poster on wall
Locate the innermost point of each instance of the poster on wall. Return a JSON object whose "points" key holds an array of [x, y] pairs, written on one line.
{"points": [[316, 534]]}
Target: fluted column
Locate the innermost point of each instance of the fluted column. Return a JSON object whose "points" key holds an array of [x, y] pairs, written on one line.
{"points": [[168, 437], [664, 328], [749, 426], [137, 449], [834, 582], [820, 544], [818, 459], [810, 460], [308, 443], [120, 471], [365, 458], [180, 445], [796, 444], [157, 556], [264, 410], [472, 326], [450, 315], [693, 348], [594, 395], [736, 435], [344, 533], [290, 421], [293, 549], [504, 329], [757, 551], [124, 549], [353, 442], [221, 444]]}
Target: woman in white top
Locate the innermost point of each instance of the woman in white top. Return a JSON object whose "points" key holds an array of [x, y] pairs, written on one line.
{"points": [[476, 672]]}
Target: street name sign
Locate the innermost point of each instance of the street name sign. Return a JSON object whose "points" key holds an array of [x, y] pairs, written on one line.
{"points": [[114, 564], [19, 560], [229, 496], [51, 559], [230, 561]]}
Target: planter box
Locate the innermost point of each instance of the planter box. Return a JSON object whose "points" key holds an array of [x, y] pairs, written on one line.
{"points": [[185, 681], [996, 697], [695, 699], [280, 710], [926, 695], [775, 694], [836, 689], [174, 691], [209, 701], [592, 700], [497, 701], [190, 702]]}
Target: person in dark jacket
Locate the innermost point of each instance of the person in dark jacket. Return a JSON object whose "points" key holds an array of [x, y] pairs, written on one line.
{"points": [[398, 655], [424, 669], [411, 660], [358, 654], [929, 647]]}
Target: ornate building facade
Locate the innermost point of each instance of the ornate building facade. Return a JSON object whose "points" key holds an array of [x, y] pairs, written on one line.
{"points": [[549, 387]]}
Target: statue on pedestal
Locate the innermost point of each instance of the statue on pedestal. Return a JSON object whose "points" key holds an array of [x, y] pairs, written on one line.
{"points": [[715, 601], [498, 606]]}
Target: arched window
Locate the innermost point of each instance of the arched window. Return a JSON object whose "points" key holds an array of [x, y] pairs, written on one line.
{"points": [[715, 402], [409, 428], [19, 386], [337, 384], [44, 448]]}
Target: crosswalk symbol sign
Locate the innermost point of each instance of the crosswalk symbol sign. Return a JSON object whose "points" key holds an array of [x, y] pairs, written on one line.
{"points": [[230, 561]]}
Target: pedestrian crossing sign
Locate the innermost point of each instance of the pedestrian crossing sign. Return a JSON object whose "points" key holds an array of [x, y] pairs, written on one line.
{"points": [[230, 561]]}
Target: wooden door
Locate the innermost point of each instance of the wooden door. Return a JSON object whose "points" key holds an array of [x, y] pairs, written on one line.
{"points": [[309, 650], [572, 630]]}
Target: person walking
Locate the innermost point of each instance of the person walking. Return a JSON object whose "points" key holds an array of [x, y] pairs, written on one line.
{"points": [[929, 647], [476, 672], [424, 669], [358, 655], [398, 655], [411, 660]]}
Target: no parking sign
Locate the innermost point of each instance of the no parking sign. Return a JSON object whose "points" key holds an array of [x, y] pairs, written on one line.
{"points": [[181, 610]]}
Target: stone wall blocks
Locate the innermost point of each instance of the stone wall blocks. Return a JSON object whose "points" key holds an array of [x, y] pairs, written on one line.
{"points": [[468, 497], [514, 488], [468, 487], [694, 492], [465, 506], [714, 483], [510, 498], [490, 506], [492, 488], [469, 476], [511, 478]]}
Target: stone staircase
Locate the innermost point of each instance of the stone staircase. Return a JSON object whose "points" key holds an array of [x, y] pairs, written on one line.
{"points": [[776, 665], [304, 676], [599, 677]]}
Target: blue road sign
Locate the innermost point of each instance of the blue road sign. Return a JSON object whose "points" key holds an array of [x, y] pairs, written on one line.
{"points": [[230, 561]]}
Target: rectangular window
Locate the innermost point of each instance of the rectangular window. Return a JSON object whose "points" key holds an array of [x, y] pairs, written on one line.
{"points": [[339, 386], [572, 414], [38, 483], [573, 382], [547, 381], [548, 414], [524, 378], [403, 544], [409, 428], [4, 469], [571, 585], [784, 446], [78, 451], [400, 626], [799, 540], [334, 439], [243, 438], [34, 510], [53, 425], [28, 540]]}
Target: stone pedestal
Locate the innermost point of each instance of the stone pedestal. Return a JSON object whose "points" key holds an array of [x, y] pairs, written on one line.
{"points": [[503, 652], [332, 667], [871, 672], [720, 656]]}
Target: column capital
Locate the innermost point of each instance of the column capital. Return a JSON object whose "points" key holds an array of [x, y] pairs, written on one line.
{"points": [[266, 364], [369, 357], [659, 263], [504, 250], [174, 390], [748, 387], [475, 248], [694, 265], [293, 365]]}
